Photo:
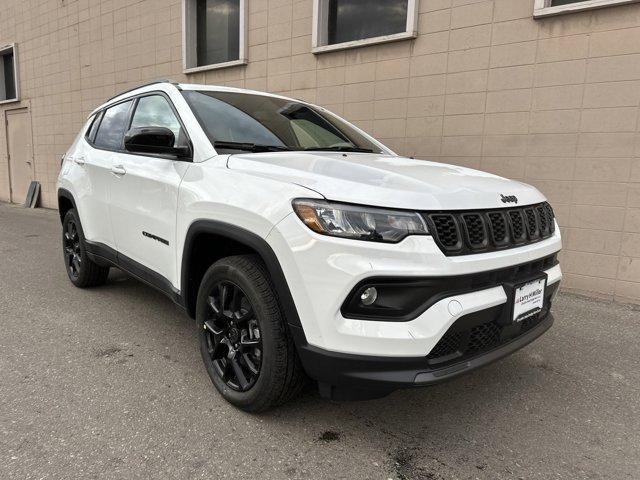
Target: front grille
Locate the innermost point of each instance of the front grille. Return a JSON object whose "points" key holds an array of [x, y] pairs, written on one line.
{"points": [[457, 345], [516, 220], [475, 229], [447, 230], [450, 344], [550, 216], [498, 228], [533, 230], [465, 232], [483, 337]]}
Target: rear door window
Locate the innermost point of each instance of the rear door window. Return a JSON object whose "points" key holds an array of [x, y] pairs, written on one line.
{"points": [[111, 130]]}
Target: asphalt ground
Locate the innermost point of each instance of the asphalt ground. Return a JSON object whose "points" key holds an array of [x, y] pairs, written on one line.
{"points": [[108, 383]]}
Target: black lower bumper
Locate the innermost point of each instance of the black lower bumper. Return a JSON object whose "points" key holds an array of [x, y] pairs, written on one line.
{"points": [[352, 377]]}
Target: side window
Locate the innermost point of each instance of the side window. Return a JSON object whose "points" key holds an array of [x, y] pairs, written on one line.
{"points": [[155, 111], [111, 129]]}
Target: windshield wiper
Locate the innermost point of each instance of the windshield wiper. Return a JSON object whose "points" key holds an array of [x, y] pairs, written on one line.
{"points": [[250, 147], [255, 147], [340, 148]]}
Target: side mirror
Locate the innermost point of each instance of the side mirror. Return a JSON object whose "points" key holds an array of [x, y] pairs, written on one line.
{"points": [[158, 140]]}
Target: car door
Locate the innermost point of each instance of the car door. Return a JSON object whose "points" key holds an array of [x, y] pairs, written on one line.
{"points": [[144, 197], [92, 163]]}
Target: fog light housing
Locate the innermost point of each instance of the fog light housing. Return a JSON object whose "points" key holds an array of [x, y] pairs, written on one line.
{"points": [[369, 296], [392, 299]]}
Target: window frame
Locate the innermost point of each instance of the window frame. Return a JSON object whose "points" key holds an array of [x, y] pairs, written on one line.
{"points": [[543, 8], [134, 99], [16, 77], [190, 40], [320, 33]]}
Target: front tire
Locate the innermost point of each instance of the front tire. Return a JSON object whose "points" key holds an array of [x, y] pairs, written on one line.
{"points": [[82, 271], [245, 343]]}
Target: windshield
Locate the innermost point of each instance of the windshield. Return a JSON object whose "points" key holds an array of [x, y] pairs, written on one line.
{"points": [[241, 121]]}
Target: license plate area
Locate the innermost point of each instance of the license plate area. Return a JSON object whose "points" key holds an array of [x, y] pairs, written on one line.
{"points": [[528, 299]]}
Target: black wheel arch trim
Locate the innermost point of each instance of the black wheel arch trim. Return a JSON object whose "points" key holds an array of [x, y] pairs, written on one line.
{"points": [[64, 193], [251, 240]]}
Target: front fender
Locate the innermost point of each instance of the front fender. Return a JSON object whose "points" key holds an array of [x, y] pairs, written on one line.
{"points": [[254, 242]]}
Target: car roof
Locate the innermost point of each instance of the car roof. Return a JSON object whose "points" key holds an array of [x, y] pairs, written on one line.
{"points": [[166, 84]]}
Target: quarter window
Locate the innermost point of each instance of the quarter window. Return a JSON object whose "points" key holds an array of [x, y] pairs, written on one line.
{"points": [[155, 111], [111, 130], [214, 34], [91, 133], [350, 23]]}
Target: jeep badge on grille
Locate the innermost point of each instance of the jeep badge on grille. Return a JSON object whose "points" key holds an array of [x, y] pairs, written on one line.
{"points": [[509, 199]]}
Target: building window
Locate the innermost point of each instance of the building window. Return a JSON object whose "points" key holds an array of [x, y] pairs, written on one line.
{"points": [[214, 34], [340, 24], [546, 8], [9, 87]]}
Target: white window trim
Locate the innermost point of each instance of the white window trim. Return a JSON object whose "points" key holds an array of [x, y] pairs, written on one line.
{"points": [[189, 40], [320, 29], [16, 78], [542, 8]]}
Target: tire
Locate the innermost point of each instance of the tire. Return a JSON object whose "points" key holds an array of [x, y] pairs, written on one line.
{"points": [[240, 290], [82, 271]]}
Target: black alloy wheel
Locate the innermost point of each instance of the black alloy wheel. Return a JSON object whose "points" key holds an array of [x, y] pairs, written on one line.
{"points": [[72, 252], [244, 338], [233, 336], [81, 269]]}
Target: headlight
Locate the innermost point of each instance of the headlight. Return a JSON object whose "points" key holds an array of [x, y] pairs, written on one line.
{"points": [[358, 222]]}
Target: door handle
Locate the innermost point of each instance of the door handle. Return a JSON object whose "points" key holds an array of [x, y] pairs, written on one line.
{"points": [[118, 170], [79, 159]]}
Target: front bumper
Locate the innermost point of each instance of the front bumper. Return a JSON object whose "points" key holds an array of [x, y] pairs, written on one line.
{"points": [[322, 271], [358, 377]]}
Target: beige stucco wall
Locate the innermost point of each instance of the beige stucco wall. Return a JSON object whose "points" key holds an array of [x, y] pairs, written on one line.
{"points": [[553, 102]]}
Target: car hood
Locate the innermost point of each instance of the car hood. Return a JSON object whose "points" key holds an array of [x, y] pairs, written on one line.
{"points": [[386, 180]]}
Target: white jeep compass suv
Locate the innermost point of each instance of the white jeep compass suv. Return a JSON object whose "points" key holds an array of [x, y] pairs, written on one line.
{"points": [[302, 246]]}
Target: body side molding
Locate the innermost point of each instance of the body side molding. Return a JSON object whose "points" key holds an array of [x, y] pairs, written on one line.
{"points": [[102, 253]]}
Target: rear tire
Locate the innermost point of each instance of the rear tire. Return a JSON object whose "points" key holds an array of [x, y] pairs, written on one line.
{"points": [[244, 340], [82, 271]]}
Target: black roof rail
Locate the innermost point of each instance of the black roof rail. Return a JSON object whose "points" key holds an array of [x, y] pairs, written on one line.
{"points": [[143, 85]]}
